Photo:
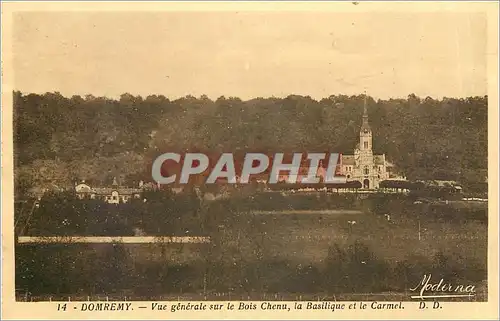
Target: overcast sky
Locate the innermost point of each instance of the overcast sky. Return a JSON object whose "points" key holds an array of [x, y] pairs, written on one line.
{"points": [[251, 54]]}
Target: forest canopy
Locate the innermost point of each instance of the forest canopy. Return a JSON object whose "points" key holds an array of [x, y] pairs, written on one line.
{"points": [[58, 140]]}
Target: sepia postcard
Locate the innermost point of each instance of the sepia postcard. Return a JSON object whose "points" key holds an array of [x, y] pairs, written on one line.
{"points": [[249, 160]]}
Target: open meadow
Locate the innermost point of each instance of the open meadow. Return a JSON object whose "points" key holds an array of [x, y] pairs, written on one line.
{"points": [[378, 246]]}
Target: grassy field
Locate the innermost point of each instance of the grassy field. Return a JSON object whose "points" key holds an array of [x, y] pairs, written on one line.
{"points": [[291, 250], [308, 236]]}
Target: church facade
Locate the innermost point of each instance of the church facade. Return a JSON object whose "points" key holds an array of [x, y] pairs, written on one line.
{"points": [[364, 166]]}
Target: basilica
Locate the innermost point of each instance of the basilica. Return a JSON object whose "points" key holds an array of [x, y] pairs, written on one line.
{"points": [[364, 166]]}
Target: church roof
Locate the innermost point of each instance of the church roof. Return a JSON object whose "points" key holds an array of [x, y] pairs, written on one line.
{"points": [[347, 159]]}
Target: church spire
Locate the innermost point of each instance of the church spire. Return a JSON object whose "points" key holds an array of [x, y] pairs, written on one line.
{"points": [[365, 126], [365, 111]]}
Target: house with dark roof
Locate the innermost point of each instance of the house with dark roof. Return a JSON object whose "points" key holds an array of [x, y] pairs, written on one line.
{"points": [[113, 194]]}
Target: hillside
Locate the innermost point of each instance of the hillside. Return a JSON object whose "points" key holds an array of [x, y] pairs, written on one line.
{"points": [[59, 140]]}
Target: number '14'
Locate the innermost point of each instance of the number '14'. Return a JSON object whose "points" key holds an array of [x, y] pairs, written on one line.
{"points": [[61, 307]]}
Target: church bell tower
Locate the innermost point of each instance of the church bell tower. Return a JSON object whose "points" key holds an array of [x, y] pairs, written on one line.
{"points": [[368, 169], [365, 158]]}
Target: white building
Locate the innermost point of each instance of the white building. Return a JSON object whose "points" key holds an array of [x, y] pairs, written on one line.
{"points": [[114, 195]]}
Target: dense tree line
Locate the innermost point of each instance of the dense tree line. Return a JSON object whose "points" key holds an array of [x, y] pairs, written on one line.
{"points": [[58, 139]]}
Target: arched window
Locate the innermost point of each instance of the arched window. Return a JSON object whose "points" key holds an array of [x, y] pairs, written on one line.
{"points": [[367, 171], [366, 145]]}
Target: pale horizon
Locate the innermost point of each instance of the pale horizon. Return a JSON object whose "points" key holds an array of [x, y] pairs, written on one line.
{"points": [[251, 54]]}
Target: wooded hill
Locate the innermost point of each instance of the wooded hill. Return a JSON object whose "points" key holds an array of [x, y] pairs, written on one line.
{"points": [[59, 140]]}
